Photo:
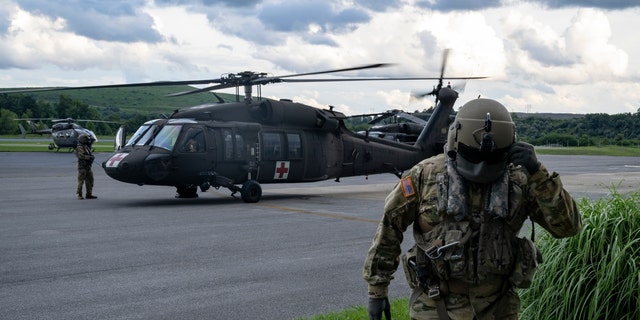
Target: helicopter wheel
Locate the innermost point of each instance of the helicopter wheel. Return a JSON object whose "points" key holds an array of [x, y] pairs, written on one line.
{"points": [[184, 191], [51, 146], [251, 191]]}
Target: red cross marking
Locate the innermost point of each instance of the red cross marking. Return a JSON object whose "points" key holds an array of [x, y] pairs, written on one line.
{"points": [[115, 160], [282, 170]]}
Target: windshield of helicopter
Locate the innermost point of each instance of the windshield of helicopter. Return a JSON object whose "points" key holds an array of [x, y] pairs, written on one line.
{"points": [[159, 134], [167, 137], [141, 136]]}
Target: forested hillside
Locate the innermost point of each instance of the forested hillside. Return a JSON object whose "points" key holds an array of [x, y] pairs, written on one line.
{"points": [[130, 106]]}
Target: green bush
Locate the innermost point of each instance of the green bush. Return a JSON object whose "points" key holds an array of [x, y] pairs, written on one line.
{"points": [[596, 274]]}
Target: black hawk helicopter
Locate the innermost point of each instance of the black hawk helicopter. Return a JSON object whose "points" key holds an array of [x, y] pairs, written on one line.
{"points": [[239, 145]]}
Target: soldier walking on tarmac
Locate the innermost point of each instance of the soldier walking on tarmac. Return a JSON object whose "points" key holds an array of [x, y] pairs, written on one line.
{"points": [[85, 160], [467, 207]]}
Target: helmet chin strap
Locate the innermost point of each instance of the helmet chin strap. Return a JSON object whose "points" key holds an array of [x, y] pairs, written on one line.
{"points": [[482, 172]]}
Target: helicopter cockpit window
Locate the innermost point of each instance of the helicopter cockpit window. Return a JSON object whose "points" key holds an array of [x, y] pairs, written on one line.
{"points": [[167, 137], [294, 146], [141, 136], [193, 141]]}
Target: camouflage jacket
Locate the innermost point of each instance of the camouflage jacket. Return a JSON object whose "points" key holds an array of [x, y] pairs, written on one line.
{"points": [[85, 157], [416, 199]]}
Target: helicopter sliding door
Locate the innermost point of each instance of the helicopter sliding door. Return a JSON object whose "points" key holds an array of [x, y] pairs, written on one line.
{"points": [[237, 156], [281, 156]]}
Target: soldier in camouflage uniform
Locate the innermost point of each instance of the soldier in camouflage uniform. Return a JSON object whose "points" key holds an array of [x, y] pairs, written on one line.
{"points": [[467, 207], [85, 160]]}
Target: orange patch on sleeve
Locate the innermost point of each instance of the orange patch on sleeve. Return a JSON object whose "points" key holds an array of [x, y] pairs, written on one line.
{"points": [[408, 190]]}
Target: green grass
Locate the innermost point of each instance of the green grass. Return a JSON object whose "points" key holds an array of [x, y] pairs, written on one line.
{"points": [[399, 311], [591, 151], [596, 274]]}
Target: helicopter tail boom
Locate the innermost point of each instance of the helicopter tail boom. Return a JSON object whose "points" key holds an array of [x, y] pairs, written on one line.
{"points": [[434, 135]]}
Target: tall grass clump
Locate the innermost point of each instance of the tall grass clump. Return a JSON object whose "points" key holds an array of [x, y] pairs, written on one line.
{"points": [[595, 274]]}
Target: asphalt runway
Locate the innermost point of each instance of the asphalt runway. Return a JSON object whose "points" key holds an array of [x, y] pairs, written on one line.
{"points": [[138, 253]]}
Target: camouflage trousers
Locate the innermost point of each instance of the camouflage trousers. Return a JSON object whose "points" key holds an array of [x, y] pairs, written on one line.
{"points": [[85, 176], [483, 302]]}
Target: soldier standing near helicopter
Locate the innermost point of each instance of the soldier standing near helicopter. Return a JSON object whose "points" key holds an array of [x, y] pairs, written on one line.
{"points": [[467, 207], [85, 160]]}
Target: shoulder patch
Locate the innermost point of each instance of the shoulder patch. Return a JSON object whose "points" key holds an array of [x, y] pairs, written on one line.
{"points": [[408, 190]]}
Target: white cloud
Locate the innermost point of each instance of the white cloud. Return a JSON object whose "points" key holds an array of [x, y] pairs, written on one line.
{"points": [[588, 40], [564, 60]]}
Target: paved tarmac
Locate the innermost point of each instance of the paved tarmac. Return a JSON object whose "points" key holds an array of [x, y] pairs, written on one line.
{"points": [[138, 253]]}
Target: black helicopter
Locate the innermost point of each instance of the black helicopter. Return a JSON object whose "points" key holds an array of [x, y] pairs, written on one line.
{"points": [[238, 145], [395, 125]]}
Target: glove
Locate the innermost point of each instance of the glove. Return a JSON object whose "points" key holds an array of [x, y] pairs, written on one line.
{"points": [[522, 153], [377, 306]]}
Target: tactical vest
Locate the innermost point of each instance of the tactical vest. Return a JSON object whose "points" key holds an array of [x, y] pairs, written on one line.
{"points": [[476, 237], [83, 153]]}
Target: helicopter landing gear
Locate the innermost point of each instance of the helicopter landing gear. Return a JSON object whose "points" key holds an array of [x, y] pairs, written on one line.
{"points": [[251, 191], [186, 191], [51, 146]]}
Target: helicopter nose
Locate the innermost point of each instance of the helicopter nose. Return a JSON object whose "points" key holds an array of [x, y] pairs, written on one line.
{"points": [[127, 166]]}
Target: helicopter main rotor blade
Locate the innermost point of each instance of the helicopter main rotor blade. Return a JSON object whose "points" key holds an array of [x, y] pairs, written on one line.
{"points": [[250, 78], [90, 120], [378, 79], [369, 66], [210, 88], [124, 85]]}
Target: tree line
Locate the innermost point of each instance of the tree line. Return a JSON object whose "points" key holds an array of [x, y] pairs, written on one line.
{"points": [[18, 106], [592, 129]]}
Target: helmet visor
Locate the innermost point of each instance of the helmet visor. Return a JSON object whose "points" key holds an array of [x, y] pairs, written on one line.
{"points": [[474, 155]]}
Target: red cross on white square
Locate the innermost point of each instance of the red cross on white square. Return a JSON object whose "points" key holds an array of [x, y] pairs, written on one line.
{"points": [[282, 170], [115, 160]]}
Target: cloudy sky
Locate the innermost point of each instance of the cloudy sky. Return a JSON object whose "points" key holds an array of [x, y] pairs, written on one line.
{"points": [[575, 56]]}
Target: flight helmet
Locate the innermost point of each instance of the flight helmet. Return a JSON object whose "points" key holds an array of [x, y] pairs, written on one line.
{"points": [[84, 139], [479, 139]]}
